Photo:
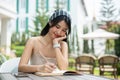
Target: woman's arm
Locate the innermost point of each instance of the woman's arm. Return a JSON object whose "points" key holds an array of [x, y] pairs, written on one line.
{"points": [[25, 67], [61, 53], [62, 56]]}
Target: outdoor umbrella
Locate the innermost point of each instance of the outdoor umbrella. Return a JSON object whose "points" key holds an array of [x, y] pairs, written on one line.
{"points": [[99, 36], [100, 33]]}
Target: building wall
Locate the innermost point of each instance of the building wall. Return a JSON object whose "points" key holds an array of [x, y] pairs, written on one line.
{"points": [[7, 14], [76, 10], [26, 11]]}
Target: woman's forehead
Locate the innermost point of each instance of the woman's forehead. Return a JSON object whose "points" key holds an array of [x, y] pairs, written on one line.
{"points": [[62, 24]]}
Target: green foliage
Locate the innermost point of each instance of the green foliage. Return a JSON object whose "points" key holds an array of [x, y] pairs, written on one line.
{"points": [[116, 44], [118, 68], [85, 42], [19, 50], [69, 45], [24, 38], [94, 24], [108, 14], [18, 42], [75, 39], [16, 39], [71, 63], [73, 43], [2, 58], [117, 47], [40, 20]]}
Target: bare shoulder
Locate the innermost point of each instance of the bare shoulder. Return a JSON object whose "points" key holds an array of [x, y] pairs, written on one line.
{"points": [[32, 40]]}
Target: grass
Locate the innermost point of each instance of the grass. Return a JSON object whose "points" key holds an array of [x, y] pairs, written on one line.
{"points": [[96, 70], [108, 75]]}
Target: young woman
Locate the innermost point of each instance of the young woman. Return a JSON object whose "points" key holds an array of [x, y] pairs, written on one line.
{"points": [[49, 50]]}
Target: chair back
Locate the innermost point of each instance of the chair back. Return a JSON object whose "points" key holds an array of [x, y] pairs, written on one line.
{"points": [[108, 60], [10, 65], [108, 63], [85, 60], [85, 63]]}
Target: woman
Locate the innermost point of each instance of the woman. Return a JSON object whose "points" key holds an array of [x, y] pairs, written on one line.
{"points": [[49, 50]]}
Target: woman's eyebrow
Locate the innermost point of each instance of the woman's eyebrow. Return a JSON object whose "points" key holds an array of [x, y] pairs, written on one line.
{"points": [[60, 26]]}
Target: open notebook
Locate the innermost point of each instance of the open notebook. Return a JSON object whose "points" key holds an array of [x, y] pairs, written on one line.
{"points": [[58, 73]]}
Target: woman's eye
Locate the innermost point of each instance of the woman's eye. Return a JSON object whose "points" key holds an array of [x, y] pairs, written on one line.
{"points": [[57, 26], [65, 31]]}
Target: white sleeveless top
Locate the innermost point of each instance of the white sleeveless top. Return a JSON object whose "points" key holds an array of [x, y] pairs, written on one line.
{"points": [[37, 58]]}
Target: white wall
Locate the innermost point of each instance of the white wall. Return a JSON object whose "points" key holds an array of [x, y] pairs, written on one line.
{"points": [[7, 13], [5, 35], [78, 19]]}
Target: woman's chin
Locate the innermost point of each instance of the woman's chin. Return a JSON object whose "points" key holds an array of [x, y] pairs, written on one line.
{"points": [[53, 37]]}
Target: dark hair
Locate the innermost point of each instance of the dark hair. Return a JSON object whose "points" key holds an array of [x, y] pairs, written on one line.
{"points": [[54, 22]]}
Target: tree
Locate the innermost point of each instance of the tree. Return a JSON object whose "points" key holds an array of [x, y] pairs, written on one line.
{"points": [[85, 42], [92, 47], [77, 41], [41, 19], [108, 14], [18, 41], [115, 27], [73, 42], [117, 43], [108, 11]]}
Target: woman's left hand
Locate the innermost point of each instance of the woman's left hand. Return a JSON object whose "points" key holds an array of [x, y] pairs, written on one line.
{"points": [[56, 40]]}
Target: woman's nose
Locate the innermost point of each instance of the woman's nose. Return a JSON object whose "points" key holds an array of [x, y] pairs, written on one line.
{"points": [[58, 32]]}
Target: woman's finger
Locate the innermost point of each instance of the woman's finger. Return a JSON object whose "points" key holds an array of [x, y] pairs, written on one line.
{"points": [[49, 67], [56, 40]]}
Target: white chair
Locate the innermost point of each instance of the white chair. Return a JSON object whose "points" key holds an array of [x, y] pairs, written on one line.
{"points": [[10, 66]]}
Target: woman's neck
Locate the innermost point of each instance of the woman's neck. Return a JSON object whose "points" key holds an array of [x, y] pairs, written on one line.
{"points": [[47, 39]]}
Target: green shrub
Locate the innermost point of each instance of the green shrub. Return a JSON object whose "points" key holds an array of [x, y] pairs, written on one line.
{"points": [[2, 59], [118, 68], [19, 50]]}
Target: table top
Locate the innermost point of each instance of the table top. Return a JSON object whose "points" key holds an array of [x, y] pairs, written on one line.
{"points": [[11, 76]]}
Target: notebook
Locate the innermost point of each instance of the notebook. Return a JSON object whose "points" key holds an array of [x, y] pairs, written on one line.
{"points": [[58, 73]]}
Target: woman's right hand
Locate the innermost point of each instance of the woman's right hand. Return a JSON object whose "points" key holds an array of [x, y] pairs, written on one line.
{"points": [[46, 68]]}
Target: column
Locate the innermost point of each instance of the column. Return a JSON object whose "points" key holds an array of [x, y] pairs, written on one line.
{"points": [[5, 35]]}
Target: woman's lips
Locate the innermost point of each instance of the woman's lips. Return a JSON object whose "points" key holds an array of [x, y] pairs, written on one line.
{"points": [[57, 36]]}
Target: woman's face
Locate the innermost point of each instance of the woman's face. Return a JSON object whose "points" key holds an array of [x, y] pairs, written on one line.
{"points": [[59, 30]]}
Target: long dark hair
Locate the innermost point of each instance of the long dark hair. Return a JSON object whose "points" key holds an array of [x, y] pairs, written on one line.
{"points": [[54, 22]]}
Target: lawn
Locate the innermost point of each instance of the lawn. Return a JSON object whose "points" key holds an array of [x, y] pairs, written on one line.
{"points": [[96, 72], [96, 69]]}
